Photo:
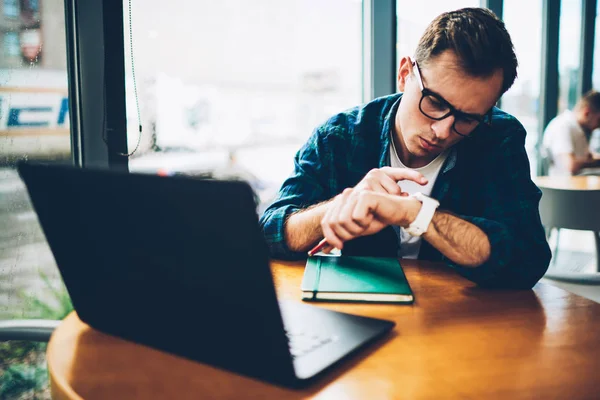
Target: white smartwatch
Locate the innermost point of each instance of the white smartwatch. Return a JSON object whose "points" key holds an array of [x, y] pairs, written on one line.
{"points": [[421, 223]]}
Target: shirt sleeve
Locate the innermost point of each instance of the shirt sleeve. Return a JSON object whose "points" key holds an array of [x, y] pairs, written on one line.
{"points": [[520, 254], [307, 185]]}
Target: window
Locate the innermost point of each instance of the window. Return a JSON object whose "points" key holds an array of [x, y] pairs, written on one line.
{"points": [[235, 88], [596, 66], [522, 99], [413, 20], [11, 8], [30, 12], [34, 125], [595, 139], [11, 44], [569, 43]]}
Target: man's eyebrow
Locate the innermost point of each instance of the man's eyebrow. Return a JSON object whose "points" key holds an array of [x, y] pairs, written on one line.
{"points": [[456, 108]]}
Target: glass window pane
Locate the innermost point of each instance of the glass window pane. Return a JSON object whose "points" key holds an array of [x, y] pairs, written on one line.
{"points": [[234, 88], [412, 21], [34, 125], [569, 43], [522, 100], [12, 46], [11, 9], [595, 139], [596, 66]]}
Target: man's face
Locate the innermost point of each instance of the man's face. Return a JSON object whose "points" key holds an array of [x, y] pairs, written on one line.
{"points": [[591, 118], [422, 138]]}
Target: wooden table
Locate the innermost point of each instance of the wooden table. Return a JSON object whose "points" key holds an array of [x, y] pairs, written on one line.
{"points": [[569, 182], [456, 341]]}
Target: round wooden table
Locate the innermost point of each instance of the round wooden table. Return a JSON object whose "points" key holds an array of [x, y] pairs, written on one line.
{"points": [[569, 182], [456, 341]]}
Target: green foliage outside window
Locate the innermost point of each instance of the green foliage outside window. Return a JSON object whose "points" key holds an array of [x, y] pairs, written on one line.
{"points": [[23, 369]]}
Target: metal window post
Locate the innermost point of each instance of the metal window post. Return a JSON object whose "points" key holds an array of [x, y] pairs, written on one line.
{"points": [[96, 67], [588, 33], [495, 5], [379, 48], [548, 106]]}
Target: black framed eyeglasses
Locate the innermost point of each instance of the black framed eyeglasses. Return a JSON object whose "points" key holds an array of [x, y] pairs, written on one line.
{"points": [[435, 107]]}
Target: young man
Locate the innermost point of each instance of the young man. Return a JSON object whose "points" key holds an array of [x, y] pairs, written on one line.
{"points": [[356, 179], [567, 137]]}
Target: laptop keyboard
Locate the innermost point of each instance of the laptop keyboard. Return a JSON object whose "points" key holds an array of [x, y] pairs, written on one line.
{"points": [[302, 342]]}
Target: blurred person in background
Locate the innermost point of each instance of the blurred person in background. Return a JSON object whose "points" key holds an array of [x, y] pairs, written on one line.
{"points": [[566, 143]]}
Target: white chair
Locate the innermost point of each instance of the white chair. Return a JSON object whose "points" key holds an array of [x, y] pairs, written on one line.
{"points": [[36, 330], [572, 209]]}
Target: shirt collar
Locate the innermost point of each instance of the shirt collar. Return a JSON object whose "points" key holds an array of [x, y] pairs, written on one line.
{"points": [[386, 134], [387, 131]]}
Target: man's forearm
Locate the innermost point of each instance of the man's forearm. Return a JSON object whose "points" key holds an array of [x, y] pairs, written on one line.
{"points": [[579, 165], [457, 239], [303, 228]]}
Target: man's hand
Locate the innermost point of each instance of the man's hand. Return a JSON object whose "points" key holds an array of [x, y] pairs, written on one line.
{"points": [[385, 180], [379, 180], [355, 213], [302, 228]]}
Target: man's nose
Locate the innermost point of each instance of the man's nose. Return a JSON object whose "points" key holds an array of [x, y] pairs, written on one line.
{"points": [[443, 128]]}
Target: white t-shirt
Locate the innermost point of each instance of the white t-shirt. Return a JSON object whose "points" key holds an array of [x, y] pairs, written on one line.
{"points": [[410, 245], [564, 135]]}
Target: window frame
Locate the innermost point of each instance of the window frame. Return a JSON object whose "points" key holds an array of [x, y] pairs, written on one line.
{"points": [[96, 56], [96, 68]]}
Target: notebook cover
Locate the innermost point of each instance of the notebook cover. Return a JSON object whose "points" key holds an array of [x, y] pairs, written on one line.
{"points": [[348, 278]]}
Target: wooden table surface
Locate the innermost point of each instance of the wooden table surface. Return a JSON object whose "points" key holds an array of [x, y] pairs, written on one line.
{"points": [[455, 341], [569, 182]]}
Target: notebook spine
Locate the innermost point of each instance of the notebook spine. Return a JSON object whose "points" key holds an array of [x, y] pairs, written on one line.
{"points": [[317, 278]]}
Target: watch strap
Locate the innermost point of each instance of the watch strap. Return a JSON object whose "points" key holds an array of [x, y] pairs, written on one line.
{"points": [[421, 223]]}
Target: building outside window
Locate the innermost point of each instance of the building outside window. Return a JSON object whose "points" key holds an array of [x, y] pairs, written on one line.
{"points": [[30, 12], [34, 125], [11, 8], [12, 47]]}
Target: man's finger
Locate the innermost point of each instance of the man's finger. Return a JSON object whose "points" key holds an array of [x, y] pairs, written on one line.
{"points": [[362, 213], [345, 218], [331, 237], [371, 184], [390, 185], [327, 249], [401, 174]]}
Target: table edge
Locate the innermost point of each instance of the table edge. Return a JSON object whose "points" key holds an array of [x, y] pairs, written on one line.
{"points": [[58, 384]]}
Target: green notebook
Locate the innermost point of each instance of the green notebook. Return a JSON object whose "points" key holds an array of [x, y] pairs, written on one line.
{"points": [[347, 278]]}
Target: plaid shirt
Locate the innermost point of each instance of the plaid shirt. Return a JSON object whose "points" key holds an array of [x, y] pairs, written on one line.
{"points": [[485, 180]]}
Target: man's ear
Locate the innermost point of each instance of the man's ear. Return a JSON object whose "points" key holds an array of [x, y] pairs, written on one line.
{"points": [[404, 70], [586, 111]]}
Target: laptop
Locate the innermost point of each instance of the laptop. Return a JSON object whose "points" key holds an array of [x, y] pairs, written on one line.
{"points": [[180, 264]]}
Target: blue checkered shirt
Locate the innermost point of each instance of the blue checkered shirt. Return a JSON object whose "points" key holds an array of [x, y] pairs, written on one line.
{"points": [[485, 180]]}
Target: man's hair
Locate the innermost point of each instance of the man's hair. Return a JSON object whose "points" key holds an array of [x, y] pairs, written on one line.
{"points": [[591, 99], [477, 37]]}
